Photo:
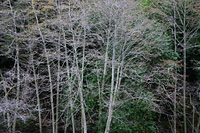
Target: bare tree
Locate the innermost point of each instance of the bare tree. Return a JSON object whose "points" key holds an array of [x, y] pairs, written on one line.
{"points": [[175, 85], [49, 70], [18, 69], [185, 27], [57, 45], [6, 99], [36, 87]]}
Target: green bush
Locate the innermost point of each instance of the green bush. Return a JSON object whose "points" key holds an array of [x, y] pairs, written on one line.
{"points": [[134, 116]]}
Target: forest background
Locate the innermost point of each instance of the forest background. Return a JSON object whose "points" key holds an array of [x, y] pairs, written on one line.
{"points": [[100, 66]]}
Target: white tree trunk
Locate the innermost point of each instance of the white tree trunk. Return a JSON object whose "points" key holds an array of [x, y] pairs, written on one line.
{"points": [[58, 86], [175, 77], [6, 98], [110, 109], [49, 73], [70, 86], [37, 91], [18, 87], [184, 65]]}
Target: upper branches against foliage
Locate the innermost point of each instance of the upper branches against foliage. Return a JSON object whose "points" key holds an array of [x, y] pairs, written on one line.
{"points": [[181, 18], [91, 58]]}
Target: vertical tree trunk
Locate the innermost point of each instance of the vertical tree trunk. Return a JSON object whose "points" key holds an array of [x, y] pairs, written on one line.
{"points": [[80, 80], [18, 86], [6, 98], [37, 90], [68, 70], [51, 85], [18, 71], [50, 82], [119, 71], [110, 109], [79, 74], [184, 82], [81, 87], [70, 86], [103, 80], [58, 86], [175, 86], [117, 80], [49, 73]]}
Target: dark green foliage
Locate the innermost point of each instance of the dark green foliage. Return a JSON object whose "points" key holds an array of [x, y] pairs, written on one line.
{"points": [[134, 116], [27, 126]]}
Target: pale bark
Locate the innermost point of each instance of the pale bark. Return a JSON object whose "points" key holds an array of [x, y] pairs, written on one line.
{"points": [[110, 109], [58, 86], [50, 81], [184, 65], [79, 74], [49, 73], [68, 71], [79, 71], [6, 98], [18, 87], [81, 86], [175, 85], [116, 80], [37, 90], [18, 72], [119, 71], [70, 87], [103, 80]]}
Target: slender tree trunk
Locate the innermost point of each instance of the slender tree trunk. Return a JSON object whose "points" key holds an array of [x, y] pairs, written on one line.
{"points": [[184, 90], [111, 105], [70, 87], [49, 73], [68, 71], [6, 98], [35, 80], [118, 80], [18, 71], [110, 109], [18, 79], [184, 84], [119, 71], [103, 81], [37, 91], [117, 84], [50, 81], [58, 86], [175, 86], [81, 87], [80, 73], [18, 86], [83, 118], [80, 80]]}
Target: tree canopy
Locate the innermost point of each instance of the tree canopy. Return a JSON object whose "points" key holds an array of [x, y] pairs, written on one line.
{"points": [[99, 66]]}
